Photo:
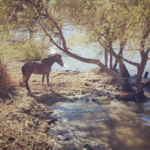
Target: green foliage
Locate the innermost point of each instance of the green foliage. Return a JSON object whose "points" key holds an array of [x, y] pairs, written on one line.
{"points": [[32, 50], [25, 50]]}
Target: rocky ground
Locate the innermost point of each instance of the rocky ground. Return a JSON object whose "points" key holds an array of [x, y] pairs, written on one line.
{"points": [[25, 118]]}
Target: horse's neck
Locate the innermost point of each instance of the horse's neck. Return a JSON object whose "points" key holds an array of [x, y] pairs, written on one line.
{"points": [[52, 61]]}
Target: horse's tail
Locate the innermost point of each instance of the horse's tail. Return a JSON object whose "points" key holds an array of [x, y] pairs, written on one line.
{"points": [[23, 70]]}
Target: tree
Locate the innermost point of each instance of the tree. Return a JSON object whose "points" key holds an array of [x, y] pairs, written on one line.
{"points": [[141, 30], [119, 20], [100, 20]]}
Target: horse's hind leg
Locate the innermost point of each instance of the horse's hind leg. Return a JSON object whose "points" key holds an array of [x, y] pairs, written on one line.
{"points": [[42, 81], [24, 76], [47, 75], [26, 81]]}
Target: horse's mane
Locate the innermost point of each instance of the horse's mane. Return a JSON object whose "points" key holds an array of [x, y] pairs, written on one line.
{"points": [[50, 57]]}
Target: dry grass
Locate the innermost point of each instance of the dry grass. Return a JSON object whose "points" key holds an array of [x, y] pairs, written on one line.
{"points": [[6, 85], [25, 125]]}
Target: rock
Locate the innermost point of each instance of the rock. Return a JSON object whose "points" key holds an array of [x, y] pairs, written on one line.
{"points": [[51, 121], [44, 127], [67, 139], [82, 92], [29, 124], [90, 99], [11, 139], [86, 84], [146, 74], [61, 137], [36, 121], [34, 80], [96, 80], [147, 83], [88, 147]]}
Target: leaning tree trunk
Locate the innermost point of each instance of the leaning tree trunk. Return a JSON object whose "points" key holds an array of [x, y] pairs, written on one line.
{"points": [[123, 70], [123, 82], [115, 64]]}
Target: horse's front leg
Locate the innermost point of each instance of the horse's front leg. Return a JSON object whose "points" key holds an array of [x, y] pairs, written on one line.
{"points": [[47, 75], [42, 81]]}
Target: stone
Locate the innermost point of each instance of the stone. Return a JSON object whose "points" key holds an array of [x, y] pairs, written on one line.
{"points": [[88, 147], [44, 127], [147, 84], [52, 120]]}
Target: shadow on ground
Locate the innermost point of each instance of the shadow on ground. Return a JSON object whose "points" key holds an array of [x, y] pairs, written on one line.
{"points": [[49, 98]]}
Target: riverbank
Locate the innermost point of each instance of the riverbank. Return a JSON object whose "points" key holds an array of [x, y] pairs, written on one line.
{"points": [[25, 119]]}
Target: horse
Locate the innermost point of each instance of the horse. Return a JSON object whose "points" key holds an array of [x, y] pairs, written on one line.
{"points": [[43, 68]]}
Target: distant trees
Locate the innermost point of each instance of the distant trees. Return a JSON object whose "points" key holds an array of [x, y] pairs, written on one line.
{"points": [[104, 22]]}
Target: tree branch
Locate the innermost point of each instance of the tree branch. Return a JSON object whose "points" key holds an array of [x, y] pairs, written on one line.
{"points": [[142, 44], [51, 39]]}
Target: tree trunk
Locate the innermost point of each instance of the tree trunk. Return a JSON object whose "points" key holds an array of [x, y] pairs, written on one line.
{"points": [[144, 58], [139, 86], [111, 61], [115, 64], [139, 76], [123, 70], [106, 58]]}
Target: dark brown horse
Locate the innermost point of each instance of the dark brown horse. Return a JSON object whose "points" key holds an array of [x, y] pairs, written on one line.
{"points": [[43, 68]]}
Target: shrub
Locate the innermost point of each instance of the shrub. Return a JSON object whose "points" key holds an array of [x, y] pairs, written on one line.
{"points": [[32, 51], [25, 50], [5, 80]]}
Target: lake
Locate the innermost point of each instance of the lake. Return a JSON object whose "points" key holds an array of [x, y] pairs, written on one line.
{"points": [[73, 64]]}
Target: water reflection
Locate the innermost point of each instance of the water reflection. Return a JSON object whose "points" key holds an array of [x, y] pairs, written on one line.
{"points": [[117, 126]]}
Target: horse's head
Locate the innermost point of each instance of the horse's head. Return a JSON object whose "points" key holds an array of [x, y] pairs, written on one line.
{"points": [[59, 60], [55, 58]]}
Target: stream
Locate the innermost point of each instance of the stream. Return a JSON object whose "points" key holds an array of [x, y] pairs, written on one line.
{"points": [[86, 125]]}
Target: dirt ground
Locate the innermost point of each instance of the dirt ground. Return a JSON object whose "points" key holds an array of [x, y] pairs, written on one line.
{"points": [[25, 118]]}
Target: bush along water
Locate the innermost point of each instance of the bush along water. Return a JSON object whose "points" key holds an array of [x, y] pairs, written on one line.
{"points": [[5, 79]]}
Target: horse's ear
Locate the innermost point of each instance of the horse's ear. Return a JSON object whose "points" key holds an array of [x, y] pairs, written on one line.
{"points": [[58, 57]]}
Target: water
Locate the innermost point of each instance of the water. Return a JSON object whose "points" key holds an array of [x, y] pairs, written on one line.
{"points": [[73, 64], [117, 126]]}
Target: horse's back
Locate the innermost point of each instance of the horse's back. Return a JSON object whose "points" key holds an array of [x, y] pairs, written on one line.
{"points": [[35, 68], [28, 67]]}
